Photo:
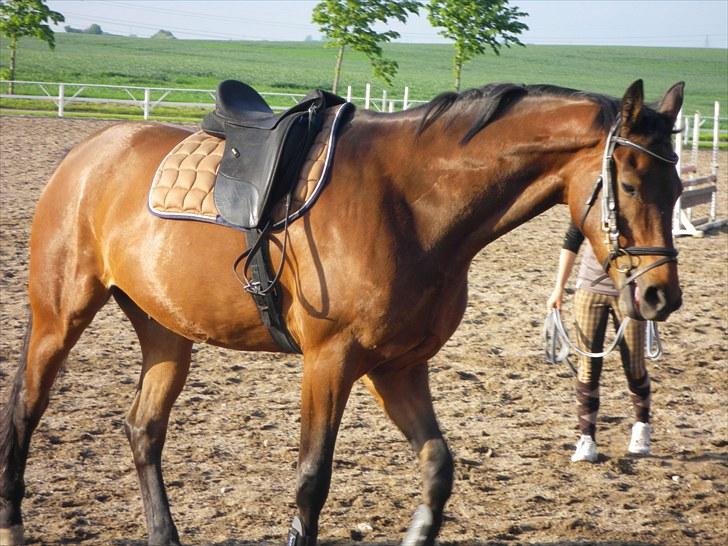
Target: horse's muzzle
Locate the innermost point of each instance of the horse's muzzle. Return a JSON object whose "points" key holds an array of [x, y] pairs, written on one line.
{"points": [[642, 301]]}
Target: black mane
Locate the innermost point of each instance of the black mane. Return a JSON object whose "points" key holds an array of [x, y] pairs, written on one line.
{"points": [[493, 100]]}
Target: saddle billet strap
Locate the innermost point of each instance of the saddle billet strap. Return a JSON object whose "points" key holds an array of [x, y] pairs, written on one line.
{"points": [[263, 238]]}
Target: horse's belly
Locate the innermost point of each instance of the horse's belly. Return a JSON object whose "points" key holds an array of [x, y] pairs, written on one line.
{"points": [[180, 274]]}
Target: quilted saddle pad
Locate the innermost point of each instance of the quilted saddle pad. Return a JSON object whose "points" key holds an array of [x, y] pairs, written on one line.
{"points": [[184, 184]]}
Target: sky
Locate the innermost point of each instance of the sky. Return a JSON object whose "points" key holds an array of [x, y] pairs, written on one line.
{"points": [[658, 23]]}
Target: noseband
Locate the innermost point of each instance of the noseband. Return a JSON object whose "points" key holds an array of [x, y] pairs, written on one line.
{"points": [[606, 182]]}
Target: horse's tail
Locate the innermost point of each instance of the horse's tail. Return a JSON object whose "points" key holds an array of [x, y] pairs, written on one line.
{"points": [[7, 425]]}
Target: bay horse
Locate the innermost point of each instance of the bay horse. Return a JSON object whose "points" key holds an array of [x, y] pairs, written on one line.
{"points": [[375, 276]]}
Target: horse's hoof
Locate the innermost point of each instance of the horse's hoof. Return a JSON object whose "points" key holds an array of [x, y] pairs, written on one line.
{"points": [[296, 535], [164, 541], [13, 536], [419, 531]]}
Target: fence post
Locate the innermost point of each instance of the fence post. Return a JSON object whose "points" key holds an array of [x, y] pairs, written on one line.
{"points": [[716, 138], [384, 100], [714, 163], [61, 98], [348, 93], [367, 93], [146, 103], [686, 131], [676, 220], [696, 139], [405, 100], [391, 106]]}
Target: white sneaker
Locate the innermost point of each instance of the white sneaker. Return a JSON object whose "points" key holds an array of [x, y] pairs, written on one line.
{"points": [[640, 442], [586, 450]]}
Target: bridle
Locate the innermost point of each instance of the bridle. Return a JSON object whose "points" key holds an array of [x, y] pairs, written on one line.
{"points": [[605, 181]]}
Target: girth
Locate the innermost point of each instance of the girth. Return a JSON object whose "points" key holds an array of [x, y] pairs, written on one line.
{"points": [[268, 302]]}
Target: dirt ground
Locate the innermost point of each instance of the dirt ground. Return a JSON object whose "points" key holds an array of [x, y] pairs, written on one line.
{"points": [[508, 415]]}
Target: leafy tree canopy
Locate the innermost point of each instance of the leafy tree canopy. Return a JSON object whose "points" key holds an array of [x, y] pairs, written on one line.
{"points": [[164, 35], [349, 23], [20, 18], [93, 29], [475, 25]]}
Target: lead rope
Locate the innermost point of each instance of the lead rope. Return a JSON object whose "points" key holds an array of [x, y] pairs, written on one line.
{"points": [[652, 339], [557, 343]]}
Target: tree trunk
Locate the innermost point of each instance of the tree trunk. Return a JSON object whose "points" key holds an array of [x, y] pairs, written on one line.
{"points": [[337, 70], [457, 69], [11, 70]]}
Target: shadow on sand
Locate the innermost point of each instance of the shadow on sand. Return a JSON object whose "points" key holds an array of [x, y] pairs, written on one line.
{"points": [[233, 542]]}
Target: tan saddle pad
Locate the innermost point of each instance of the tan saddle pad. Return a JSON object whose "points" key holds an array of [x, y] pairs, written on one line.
{"points": [[184, 184]]}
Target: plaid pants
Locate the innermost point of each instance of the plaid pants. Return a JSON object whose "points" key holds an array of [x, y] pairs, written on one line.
{"points": [[592, 312]]}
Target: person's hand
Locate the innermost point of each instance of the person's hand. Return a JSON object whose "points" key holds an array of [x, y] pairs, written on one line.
{"points": [[554, 300]]}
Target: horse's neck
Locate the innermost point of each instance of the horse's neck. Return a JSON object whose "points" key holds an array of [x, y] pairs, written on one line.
{"points": [[465, 196]]}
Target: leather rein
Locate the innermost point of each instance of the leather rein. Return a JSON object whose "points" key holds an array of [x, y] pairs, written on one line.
{"points": [[605, 181]]}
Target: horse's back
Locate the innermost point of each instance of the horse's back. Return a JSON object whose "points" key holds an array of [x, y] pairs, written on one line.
{"points": [[103, 158]]}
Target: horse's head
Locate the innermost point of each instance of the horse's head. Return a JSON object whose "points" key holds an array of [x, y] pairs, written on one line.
{"points": [[636, 192]]}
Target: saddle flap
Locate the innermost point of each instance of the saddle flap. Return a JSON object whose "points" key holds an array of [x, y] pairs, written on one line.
{"points": [[252, 161]]}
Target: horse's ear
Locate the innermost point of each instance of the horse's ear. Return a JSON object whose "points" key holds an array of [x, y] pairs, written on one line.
{"points": [[672, 101], [632, 103]]}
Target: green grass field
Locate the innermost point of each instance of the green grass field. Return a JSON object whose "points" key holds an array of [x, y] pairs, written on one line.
{"points": [[425, 68]]}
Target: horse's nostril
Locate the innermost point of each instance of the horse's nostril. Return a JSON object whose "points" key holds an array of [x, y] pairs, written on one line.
{"points": [[655, 298]]}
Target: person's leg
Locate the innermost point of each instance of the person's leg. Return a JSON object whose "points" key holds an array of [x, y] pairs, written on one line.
{"points": [[591, 315], [632, 350]]}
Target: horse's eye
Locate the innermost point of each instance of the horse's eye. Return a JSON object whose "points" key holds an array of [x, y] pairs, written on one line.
{"points": [[629, 189]]}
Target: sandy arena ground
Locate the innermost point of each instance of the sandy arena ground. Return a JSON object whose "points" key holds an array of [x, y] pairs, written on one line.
{"points": [[508, 415]]}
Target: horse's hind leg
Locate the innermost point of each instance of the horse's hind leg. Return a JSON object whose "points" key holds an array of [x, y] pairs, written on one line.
{"points": [[166, 361], [61, 308], [405, 396]]}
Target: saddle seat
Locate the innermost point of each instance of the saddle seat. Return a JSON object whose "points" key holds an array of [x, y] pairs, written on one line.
{"points": [[240, 104], [263, 151]]}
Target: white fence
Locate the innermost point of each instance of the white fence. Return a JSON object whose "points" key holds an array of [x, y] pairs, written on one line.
{"points": [[148, 98], [700, 190]]}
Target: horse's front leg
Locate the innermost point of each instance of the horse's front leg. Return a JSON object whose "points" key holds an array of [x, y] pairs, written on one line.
{"points": [[328, 376], [405, 395]]}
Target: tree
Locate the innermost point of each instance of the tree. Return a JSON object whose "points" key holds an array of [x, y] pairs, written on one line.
{"points": [[348, 23], [20, 18], [164, 35], [475, 25], [93, 29]]}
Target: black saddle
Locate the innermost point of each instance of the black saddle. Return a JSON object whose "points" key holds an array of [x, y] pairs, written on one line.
{"points": [[264, 151]]}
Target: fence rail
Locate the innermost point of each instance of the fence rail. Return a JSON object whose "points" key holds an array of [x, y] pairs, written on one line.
{"points": [[146, 99]]}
